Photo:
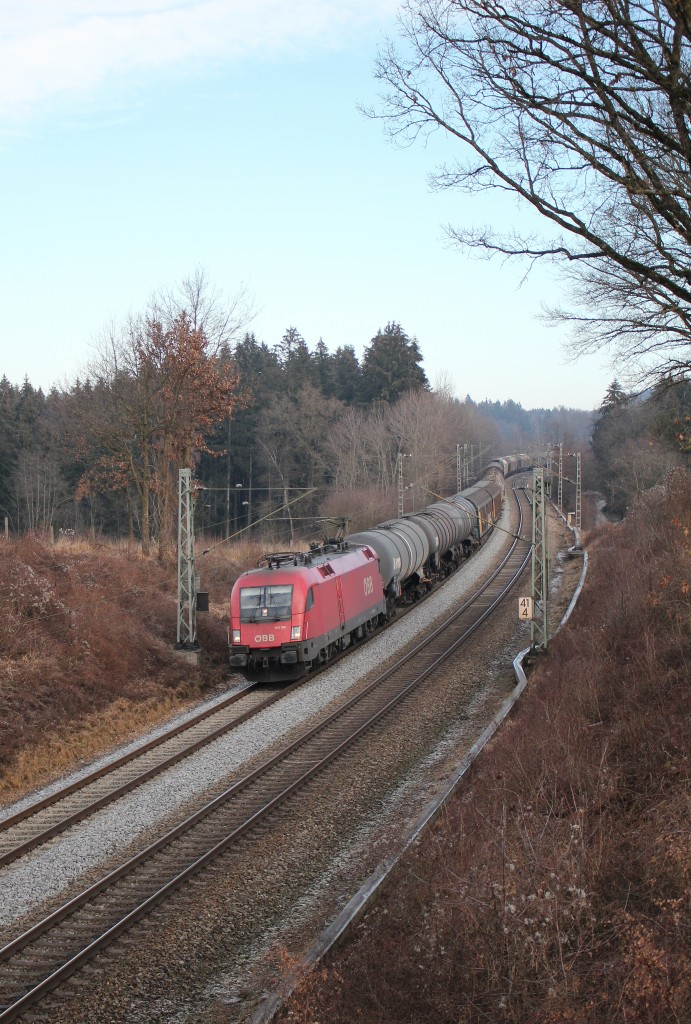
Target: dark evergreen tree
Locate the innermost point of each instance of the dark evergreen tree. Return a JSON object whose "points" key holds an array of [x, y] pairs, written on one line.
{"points": [[346, 374], [670, 414], [391, 366], [294, 356], [616, 425], [231, 469], [323, 370], [259, 366], [8, 446]]}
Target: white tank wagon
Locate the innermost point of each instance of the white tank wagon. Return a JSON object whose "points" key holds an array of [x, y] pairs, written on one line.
{"points": [[415, 550], [402, 548]]}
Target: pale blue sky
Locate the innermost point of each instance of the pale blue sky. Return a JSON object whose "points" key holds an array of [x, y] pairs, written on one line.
{"points": [[141, 140]]}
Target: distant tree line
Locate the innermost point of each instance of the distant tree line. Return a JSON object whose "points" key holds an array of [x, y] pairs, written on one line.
{"points": [[297, 439], [259, 424]]}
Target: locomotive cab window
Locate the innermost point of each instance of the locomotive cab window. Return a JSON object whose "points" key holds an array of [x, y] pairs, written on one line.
{"points": [[310, 599], [267, 604]]}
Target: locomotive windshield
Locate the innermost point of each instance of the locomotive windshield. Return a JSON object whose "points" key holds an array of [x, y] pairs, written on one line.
{"points": [[266, 604]]}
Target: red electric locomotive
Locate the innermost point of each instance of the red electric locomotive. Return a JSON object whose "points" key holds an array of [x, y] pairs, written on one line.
{"points": [[298, 610]]}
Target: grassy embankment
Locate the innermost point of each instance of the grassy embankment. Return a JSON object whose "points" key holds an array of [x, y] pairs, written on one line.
{"points": [[556, 888], [86, 651]]}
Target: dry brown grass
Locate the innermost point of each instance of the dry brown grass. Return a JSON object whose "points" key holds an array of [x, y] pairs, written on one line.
{"points": [[556, 889], [80, 742], [87, 656], [87, 651]]}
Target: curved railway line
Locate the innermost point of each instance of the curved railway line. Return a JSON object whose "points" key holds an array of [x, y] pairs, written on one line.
{"points": [[40, 959], [40, 821]]}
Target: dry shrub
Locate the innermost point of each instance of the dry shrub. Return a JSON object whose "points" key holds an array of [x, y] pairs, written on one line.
{"points": [[360, 508], [220, 566], [556, 889], [79, 742], [85, 627], [87, 653]]}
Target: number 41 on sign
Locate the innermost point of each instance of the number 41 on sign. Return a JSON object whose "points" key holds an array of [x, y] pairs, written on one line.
{"points": [[525, 609]]}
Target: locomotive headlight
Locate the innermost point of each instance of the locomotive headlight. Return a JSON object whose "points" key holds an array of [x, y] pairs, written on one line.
{"points": [[236, 636], [295, 632]]}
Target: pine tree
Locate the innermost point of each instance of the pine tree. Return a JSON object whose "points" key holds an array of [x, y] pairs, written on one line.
{"points": [[390, 366], [347, 374]]}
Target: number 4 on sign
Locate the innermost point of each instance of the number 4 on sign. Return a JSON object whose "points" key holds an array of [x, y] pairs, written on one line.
{"points": [[525, 609]]}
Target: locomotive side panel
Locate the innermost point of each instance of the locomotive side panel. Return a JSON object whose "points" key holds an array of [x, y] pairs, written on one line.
{"points": [[284, 619], [362, 592]]}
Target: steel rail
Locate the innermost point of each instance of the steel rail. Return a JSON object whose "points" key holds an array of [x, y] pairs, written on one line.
{"points": [[72, 817], [98, 773], [42, 836], [300, 775]]}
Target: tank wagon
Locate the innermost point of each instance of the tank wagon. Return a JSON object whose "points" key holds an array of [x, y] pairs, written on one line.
{"points": [[296, 611]]}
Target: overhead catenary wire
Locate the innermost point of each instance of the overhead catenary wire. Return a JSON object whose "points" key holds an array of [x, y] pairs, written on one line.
{"points": [[268, 516], [481, 519]]}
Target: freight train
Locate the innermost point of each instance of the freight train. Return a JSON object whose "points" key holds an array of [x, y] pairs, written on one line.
{"points": [[297, 610]]}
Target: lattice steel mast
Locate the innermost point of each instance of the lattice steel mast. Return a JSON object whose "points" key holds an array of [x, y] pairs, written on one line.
{"points": [[539, 625], [187, 585]]}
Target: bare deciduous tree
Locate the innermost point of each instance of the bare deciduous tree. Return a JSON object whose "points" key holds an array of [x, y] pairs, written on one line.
{"points": [[221, 319], [582, 108], [39, 490], [425, 426], [158, 387]]}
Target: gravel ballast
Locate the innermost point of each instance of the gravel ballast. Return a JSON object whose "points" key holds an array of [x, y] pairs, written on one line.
{"points": [[208, 954], [48, 871]]}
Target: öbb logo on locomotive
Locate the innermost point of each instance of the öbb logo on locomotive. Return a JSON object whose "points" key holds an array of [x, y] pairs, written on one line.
{"points": [[321, 601]]}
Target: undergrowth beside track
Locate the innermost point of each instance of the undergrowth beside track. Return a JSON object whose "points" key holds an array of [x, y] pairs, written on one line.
{"points": [[87, 656], [555, 889]]}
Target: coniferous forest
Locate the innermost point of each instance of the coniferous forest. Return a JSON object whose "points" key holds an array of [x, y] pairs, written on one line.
{"points": [[282, 435], [260, 426]]}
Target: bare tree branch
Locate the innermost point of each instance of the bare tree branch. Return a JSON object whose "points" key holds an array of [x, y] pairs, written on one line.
{"points": [[583, 111]]}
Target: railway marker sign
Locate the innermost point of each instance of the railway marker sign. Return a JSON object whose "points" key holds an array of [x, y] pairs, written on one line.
{"points": [[525, 609]]}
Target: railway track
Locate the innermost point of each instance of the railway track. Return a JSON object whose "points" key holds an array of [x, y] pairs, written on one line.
{"points": [[42, 820], [43, 957], [35, 824]]}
